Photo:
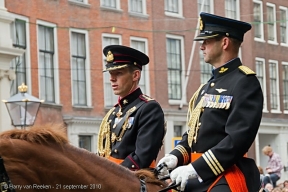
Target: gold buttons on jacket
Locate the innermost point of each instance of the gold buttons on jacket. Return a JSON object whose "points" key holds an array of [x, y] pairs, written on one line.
{"points": [[212, 84], [115, 151], [133, 166]]}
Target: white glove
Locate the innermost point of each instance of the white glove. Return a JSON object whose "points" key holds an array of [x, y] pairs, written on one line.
{"points": [[171, 162], [182, 174]]}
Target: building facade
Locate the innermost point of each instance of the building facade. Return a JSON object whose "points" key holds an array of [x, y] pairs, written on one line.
{"points": [[63, 60]]}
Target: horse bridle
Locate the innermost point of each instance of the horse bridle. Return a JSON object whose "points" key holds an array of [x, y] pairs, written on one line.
{"points": [[5, 183], [143, 187], [171, 186]]}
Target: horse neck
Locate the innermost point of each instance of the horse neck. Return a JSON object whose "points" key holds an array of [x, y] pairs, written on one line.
{"points": [[29, 163]]}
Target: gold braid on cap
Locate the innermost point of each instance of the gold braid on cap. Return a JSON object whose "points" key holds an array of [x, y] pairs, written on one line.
{"points": [[193, 115], [104, 149]]}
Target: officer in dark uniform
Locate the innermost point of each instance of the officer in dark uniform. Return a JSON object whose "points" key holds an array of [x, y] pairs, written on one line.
{"points": [[223, 118], [132, 132]]}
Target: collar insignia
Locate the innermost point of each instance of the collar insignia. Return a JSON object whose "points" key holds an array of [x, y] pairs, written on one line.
{"points": [[109, 56], [223, 69], [125, 101], [221, 90]]}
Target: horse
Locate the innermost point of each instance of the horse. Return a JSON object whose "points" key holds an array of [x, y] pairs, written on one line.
{"points": [[41, 159]]}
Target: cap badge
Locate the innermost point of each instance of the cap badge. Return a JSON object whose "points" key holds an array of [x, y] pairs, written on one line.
{"points": [[201, 26], [223, 69], [109, 56]]}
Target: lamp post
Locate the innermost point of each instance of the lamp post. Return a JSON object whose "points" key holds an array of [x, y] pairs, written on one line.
{"points": [[23, 108]]}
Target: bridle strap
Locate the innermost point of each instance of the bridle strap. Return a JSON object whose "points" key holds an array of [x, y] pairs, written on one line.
{"points": [[5, 183], [143, 186]]}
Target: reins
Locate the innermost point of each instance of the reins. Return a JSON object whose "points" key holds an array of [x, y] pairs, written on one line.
{"points": [[172, 185]]}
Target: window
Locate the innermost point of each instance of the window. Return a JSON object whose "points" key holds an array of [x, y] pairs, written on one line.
{"points": [[141, 45], [285, 86], [260, 72], [174, 8], [177, 130], [82, 3], [79, 84], [18, 64], [46, 63], [109, 98], [115, 4], [274, 89], [258, 20], [283, 26], [85, 142], [271, 23], [137, 6], [205, 6], [231, 9], [206, 69], [174, 50]]}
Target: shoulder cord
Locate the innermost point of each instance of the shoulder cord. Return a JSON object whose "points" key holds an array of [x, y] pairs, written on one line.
{"points": [[193, 116], [104, 133]]}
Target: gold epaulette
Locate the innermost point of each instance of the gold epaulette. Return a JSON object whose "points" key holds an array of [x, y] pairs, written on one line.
{"points": [[146, 98], [246, 70]]}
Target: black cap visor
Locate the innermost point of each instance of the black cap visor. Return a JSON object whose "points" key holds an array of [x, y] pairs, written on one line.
{"points": [[203, 36], [111, 67]]}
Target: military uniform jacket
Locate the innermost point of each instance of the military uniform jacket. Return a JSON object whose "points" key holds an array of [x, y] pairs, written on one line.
{"points": [[231, 112], [138, 145]]}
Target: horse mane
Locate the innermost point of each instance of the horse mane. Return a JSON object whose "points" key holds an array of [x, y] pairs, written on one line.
{"points": [[38, 134]]}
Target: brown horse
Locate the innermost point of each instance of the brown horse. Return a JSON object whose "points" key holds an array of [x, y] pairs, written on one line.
{"points": [[41, 159]]}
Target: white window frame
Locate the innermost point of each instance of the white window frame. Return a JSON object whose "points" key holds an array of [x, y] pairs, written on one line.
{"points": [[264, 86], [184, 97], [83, 3], [261, 39], [55, 60], [104, 63], [87, 67], [146, 67], [180, 10], [285, 111], [286, 10], [237, 10], [27, 50], [211, 2], [118, 7], [144, 8], [277, 87], [274, 42]]}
